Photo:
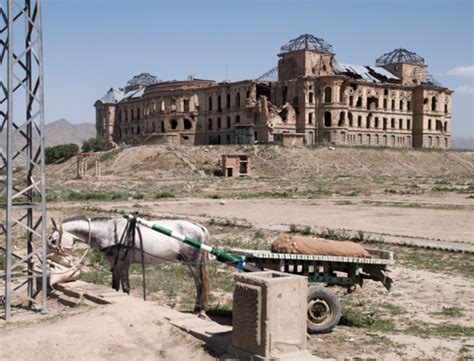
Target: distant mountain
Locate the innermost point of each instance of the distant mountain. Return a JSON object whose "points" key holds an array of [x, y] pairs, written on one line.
{"points": [[62, 131], [463, 143]]}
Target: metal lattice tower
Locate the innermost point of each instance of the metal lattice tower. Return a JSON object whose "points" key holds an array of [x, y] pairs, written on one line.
{"points": [[22, 164]]}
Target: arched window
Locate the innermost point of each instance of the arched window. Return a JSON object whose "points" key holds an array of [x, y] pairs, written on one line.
{"points": [[341, 95], [430, 141], [369, 141], [350, 119], [327, 137], [173, 124], [433, 103], [328, 94], [187, 124], [237, 100], [445, 126], [327, 119], [342, 118]]}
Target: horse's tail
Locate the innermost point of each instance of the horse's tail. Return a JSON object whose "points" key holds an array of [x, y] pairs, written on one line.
{"points": [[204, 271]]}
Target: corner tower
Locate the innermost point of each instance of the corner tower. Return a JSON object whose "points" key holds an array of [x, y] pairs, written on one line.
{"points": [[305, 56], [407, 65]]}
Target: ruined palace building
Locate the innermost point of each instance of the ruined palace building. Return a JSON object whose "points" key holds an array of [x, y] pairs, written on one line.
{"points": [[309, 98]]}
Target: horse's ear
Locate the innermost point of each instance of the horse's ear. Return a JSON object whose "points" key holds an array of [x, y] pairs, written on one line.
{"points": [[55, 225]]}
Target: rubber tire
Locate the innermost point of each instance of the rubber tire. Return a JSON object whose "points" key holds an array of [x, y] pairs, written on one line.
{"points": [[332, 301]]}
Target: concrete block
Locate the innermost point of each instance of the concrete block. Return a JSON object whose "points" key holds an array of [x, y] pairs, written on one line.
{"points": [[269, 314]]}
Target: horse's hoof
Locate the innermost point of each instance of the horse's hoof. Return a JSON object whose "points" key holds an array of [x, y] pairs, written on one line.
{"points": [[202, 314]]}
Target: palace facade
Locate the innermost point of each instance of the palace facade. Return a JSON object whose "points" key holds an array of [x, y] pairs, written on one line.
{"points": [[309, 98]]}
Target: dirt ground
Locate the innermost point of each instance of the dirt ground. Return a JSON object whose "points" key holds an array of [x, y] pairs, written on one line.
{"points": [[378, 194], [130, 331]]}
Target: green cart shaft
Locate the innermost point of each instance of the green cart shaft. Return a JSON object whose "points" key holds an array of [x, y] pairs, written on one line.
{"points": [[234, 260]]}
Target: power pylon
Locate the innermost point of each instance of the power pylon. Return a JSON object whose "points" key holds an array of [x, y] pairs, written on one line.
{"points": [[22, 163]]}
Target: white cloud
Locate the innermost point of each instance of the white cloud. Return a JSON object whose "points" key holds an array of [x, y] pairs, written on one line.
{"points": [[465, 89], [462, 71]]}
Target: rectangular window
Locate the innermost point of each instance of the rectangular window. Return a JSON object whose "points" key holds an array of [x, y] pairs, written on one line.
{"points": [[311, 98], [186, 105], [400, 125], [385, 103], [351, 100], [310, 118], [409, 105], [393, 104], [359, 121], [408, 124]]}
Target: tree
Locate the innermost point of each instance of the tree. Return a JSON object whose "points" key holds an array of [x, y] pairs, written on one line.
{"points": [[60, 152], [92, 145]]}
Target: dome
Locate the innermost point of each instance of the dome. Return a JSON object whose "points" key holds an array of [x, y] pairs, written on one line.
{"points": [[307, 42], [143, 79], [398, 56]]}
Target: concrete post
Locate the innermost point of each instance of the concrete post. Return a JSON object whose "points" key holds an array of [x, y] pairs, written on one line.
{"points": [[269, 315]]}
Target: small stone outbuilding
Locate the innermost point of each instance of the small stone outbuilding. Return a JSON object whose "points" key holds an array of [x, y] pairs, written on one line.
{"points": [[236, 165]]}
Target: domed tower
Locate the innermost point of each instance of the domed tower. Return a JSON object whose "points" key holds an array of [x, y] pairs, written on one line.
{"points": [[407, 65], [306, 55]]}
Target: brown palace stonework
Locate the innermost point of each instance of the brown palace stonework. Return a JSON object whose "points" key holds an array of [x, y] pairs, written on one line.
{"points": [[309, 98]]}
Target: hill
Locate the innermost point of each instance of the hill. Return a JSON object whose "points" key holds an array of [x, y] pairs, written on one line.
{"points": [[304, 171], [62, 131]]}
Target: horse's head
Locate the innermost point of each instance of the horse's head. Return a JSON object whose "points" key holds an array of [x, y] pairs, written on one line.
{"points": [[59, 237]]}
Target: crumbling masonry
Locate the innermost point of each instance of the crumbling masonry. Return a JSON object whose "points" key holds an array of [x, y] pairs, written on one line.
{"points": [[309, 98]]}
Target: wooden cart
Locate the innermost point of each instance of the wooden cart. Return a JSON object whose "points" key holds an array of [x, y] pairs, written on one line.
{"points": [[324, 309]]}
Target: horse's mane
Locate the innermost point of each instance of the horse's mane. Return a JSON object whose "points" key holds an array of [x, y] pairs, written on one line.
{"points": [[84, 218]]}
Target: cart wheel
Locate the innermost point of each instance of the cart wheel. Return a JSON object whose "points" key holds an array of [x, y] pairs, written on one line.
{"points": [[324, 310]]}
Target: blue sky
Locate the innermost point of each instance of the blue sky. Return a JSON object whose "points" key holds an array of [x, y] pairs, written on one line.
{"points": [[92, 45]]}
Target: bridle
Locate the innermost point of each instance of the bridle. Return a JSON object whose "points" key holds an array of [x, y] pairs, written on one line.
{"points": [[59, 228]]}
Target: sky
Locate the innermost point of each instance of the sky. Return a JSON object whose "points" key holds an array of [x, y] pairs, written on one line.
{"points": [[93, 45]]}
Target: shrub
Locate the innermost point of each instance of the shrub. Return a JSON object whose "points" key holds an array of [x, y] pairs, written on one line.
{"points": [[60, 152], [131, 139], [92, 145]]}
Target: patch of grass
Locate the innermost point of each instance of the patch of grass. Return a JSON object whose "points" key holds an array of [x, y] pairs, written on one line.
{"points": [[450, 312], [370, 321], [163, 194], [394, 310], [343, 203], [259, 234], [109, 155], [306, 231], [95, 196], [293, 228], [138, 196], [433, 260], [442, 330]]}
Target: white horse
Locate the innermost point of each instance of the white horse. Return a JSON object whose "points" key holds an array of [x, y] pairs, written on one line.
{"points": [[104, 233]]}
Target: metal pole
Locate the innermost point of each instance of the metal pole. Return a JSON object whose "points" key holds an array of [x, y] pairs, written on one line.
{"points": [[24, 191]]}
